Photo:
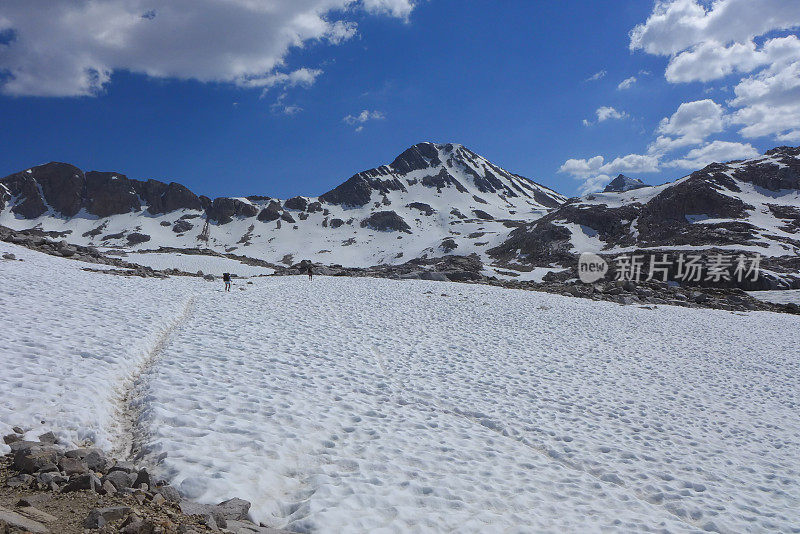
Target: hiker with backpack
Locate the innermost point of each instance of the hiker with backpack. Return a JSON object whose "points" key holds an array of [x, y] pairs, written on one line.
{"points": [[226, 277]]}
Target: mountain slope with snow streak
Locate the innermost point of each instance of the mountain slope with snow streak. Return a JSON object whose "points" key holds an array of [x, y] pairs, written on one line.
{"points": [[431, 200], [751, 205], [365, 405]]}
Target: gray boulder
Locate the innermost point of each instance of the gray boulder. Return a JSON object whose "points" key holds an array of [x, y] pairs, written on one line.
{"points": [[18, 522], [142, 477], [35, 459], [120, 479], [73, 466], [48, 437], [82, 482], [22, 480], [271, 213], [234, 509], [223, 210], [11, 438], [208, 511], [99, 517], [170, 493]]}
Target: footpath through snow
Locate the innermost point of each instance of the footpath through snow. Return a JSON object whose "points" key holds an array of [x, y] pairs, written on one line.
{"points": [[364, 405]]}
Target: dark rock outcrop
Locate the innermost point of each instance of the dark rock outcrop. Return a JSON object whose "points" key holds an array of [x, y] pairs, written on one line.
{"points": [[357, 191], [421, 206], [296, 203], [441, 180], [271, 213], [66, 189], [166, 198], [62, 186], [418, 157], [109, 193], [182, 226], [135, 238], [448, 245], [386, 221], [223, 210], [480, 214]]}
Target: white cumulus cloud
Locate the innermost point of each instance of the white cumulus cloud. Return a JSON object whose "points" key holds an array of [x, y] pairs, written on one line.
{"points": [[717, 151], [690, 125], [605, 113], [72, 48], [396, 8], [677, 25], [596, 172], [707, 41]]}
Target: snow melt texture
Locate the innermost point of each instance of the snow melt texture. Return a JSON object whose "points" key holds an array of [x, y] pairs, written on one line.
{"points": [[367, 405]]}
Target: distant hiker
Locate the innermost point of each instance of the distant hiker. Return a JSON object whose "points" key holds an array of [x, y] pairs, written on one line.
{"points": [[226, 277], [310, 271]]}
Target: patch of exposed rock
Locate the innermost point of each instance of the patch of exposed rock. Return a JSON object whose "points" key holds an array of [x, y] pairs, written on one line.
{"points": [[48, 488], [386, 221]]}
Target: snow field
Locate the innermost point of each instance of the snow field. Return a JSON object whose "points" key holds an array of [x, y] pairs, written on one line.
{"points": [[365, 405], [70, 339], [369, 405]]}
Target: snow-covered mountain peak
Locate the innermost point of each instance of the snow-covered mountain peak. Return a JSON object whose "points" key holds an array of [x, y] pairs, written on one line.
{"points": [[433, 199], [623, 183], [444, 168]]}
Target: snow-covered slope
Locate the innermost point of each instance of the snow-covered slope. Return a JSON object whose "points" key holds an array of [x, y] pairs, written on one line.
{"points": [[431, 200], [373, 405], [751, 205]]}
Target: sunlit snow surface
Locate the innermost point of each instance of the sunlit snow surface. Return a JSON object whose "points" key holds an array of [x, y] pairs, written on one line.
{"points": [[791, 296], [70, 338], [366, 405]]}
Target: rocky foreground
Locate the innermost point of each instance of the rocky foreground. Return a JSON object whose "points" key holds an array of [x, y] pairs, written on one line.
{"points": [[45, 487]]}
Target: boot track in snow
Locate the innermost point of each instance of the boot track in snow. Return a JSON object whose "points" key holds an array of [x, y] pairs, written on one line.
{"points": [[128, 430]]}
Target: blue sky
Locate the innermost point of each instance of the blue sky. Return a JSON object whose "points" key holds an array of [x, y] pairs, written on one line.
{"points": [[220, 99]]}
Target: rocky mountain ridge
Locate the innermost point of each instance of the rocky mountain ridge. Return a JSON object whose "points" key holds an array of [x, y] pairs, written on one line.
{"points": [[434, 198], [750, 206]]}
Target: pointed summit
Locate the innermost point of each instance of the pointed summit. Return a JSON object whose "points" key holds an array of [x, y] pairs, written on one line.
{"points": [[623, 183]]}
